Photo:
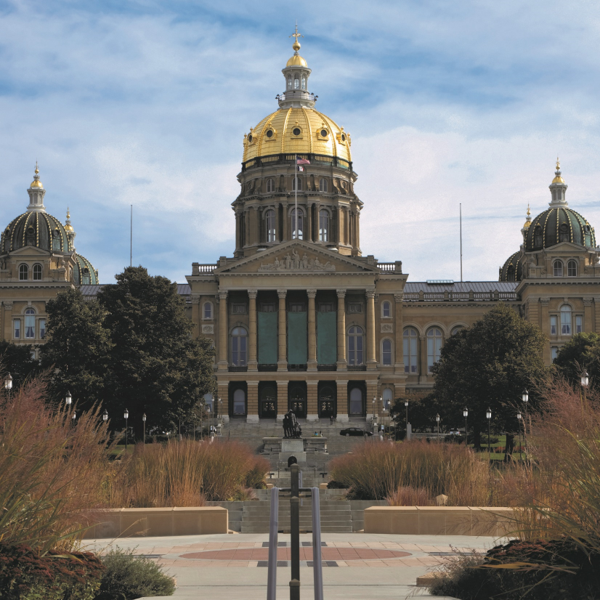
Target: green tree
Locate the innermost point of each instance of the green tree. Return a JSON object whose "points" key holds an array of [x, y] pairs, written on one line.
{"points": [[78, 348], [486, 366], [581, 353], [156, 366], [16, 360]]}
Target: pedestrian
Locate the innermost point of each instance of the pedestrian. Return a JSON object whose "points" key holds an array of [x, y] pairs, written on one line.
{"points": [[331, 419]]}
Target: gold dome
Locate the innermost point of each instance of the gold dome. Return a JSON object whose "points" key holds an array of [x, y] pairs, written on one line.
{"points": [[68, 226], [36, 183], [298, 131], [296, 61]]}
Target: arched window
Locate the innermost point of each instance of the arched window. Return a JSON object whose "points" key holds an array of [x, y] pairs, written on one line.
{"points": [[207, 310], [456, 329], [388, 396], [434, 346], [37, 272], [537, 237], [289, 83], [30, 324], [411, 342], [510, 273], [23, 272], [564, 234], [270, 225], [56, 240], [323, 226], [565, 320], [356, 401], [85, 279], [323, 184], [355, 346], [270, 185], [239, 402], [386, 352], [386, 309], [558, 268], [239, 345], [297, 227], [296, 83], [572, 268], [303, 83], [297, 181]]}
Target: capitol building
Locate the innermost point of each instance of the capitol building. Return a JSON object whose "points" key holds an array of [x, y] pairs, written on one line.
{"points": [[300, 316]]}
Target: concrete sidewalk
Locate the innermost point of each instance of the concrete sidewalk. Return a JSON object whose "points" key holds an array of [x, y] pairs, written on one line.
{"points": [[357, 566]]}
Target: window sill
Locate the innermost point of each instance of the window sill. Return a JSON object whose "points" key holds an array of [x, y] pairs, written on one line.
{"points": [[234, 369]]}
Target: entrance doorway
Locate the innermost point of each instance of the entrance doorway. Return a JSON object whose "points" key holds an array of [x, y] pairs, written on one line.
{"points": [[356, 399], [297, 398], [327, 400], [267, 401]]}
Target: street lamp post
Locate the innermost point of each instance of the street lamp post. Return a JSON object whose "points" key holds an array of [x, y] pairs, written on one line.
{"points": [[519, 418], [466, 416], [68, 400], [585, 382], [488, 416], [525, 398], [8, 384], [126, 415], [144, 424], [105, 415], [220, 410], [406, 407], [74, 417], [437, 418]]}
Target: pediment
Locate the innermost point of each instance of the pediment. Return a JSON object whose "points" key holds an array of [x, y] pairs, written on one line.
{"points": [[297, 257], [29, 251]]}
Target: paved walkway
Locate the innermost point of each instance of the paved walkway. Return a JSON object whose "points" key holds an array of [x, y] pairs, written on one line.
{"points": [[355, 565]]}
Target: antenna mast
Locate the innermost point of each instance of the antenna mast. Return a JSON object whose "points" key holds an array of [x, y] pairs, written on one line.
{"points": [[131, 237], [460, 221]]}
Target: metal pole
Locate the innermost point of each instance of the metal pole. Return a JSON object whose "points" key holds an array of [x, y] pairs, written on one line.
{"points": [[489, 444], [295, 535], [466, 433], [295, 234], [461, 274], [316, 527], [273, 527]]}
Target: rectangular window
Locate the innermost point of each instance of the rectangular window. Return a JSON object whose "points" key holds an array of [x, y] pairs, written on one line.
{"points": [[355, 350], [554, 353], [326, 307], [238, 309], [17, 329], [42, 328], [354, 307], [238, 350], [553, 326], [579, 324], [30, 327], [565, 322], [267, 307], [297, 307]]}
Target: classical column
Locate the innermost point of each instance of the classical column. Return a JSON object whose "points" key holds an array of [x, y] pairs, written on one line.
{"points": [[286, 224], [252, 362], [223, 363], [318, 222], [398, 334], [309, 223], [282, 355], [342, 401], [341, 334], [312, 401], [423, 371], [312, 331], [252, 402], [371, 334]]}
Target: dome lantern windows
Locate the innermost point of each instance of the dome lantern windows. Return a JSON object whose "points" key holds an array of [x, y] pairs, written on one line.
{"points": [[296, 83], [323, 225], [270, 226]]}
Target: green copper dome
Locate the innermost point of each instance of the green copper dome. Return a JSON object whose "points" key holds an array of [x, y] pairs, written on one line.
{"points": [[84, 272], [35, 228], [512, 270], [559, 224]]}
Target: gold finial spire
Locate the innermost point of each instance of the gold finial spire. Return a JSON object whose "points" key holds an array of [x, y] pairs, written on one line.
{"points": [[68, 226], [528, 220], [296, 45], [558, 178], [36, 183]]}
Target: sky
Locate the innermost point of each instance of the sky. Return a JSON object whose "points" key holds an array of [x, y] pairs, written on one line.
{"points": [[146, 103]]}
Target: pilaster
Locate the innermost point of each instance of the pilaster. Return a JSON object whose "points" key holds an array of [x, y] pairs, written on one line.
{"points": [[342, 401], [545, 302], [282, 399], [371, 333], [252, 333], [588, 323], [312, 331], [282, 333], [423, 372], [312, 404], [252, 402], [398, 334], [341, 333], [223, 331]]}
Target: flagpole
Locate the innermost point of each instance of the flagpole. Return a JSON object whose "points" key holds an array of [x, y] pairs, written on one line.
{"points": [[296, 194]]}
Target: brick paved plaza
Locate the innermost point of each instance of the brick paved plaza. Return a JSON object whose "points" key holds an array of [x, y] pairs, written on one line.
{"points": [[357, 566]]}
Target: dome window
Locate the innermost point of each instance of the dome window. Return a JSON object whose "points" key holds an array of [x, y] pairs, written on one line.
{"points": [[296, 84], [86, 276], [30, 236], [270, 133], [289, 83], [56, 240], [558, 268], [250, 138], [270, 185], [324, 133], [343, 137], [572, 268], [297, 184], [537, 238], [23, 273], [37, 272], [303, 83], [270, 225], [297, 224], [563, 235], [296, 131], [323, 226]]}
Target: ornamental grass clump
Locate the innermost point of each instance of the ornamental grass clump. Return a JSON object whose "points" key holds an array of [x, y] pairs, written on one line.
{"points": [[376, 471], [184, 473], [51, 470]]}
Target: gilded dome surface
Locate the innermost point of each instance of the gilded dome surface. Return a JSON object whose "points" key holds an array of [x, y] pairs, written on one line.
{"points": [[297, 131], [35, 228], [84, 272], [559, 224], [512, 270]]}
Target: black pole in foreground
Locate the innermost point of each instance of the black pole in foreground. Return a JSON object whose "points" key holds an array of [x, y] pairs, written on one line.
{"points": [[295, 534]]}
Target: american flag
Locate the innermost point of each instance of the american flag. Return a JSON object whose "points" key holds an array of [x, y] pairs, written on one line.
{"points": [[302, 161]]}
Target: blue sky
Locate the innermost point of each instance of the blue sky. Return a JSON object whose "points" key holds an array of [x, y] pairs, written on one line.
{"points": [[147, 102]]}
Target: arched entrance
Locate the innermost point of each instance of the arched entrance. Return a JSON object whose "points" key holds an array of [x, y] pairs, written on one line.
{"points": [[237, 399], [267, 400], [297, 398], [356, 399], [327, 400]]}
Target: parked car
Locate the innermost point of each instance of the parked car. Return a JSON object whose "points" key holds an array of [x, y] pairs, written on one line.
{"points": [[355, 431]]}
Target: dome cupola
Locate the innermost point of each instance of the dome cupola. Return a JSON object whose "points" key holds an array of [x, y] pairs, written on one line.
{"points": [[512, 270], [559, 223]]}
